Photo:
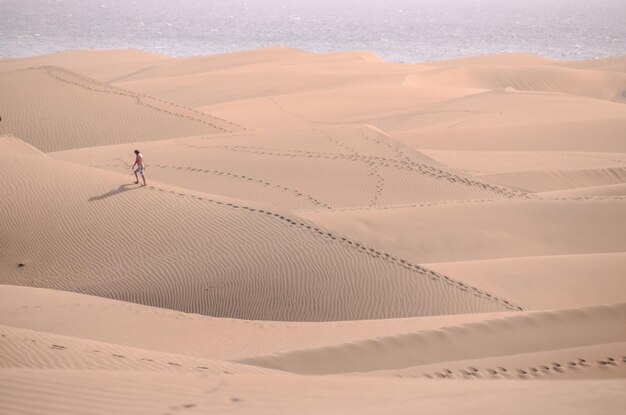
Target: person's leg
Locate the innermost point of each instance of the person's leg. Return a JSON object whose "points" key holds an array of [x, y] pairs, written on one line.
{"points": [[136, 177], [143, 177]]}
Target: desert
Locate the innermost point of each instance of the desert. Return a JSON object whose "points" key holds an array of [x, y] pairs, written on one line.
{"points": [[319, 233]]}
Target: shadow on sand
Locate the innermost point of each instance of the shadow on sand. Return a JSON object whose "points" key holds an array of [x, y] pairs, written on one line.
{"points": [[123, 188]]}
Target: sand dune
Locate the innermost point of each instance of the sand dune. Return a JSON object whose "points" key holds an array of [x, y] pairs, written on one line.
{"points": [[86, 62], [29, 349], [596, 362], [363, 103], [531, 332], [547, 181], [484, 162], [460, 231], [446, 118], [204, 81], [602, 135], [594, 174], [25, 352], [604, 85], [136, 392], [55, 109], [157, 329], [495, 109], [327, 232], [498, 59], [547, 282], [328, 167], [196, 252], [614, 64], [595, 191]]}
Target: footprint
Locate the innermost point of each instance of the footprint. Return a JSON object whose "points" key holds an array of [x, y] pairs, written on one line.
{"points": [[58, 347]]}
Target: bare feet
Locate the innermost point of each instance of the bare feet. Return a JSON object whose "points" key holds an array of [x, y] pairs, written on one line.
{"points": [[137, 182]]}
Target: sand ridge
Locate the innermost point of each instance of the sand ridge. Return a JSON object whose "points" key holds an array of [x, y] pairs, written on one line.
{"points": [[531, 332]]}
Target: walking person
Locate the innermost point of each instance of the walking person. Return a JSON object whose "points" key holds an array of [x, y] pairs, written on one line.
{"points": [[141, 168]]}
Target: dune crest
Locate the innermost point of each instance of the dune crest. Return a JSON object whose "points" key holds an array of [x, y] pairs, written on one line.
{"points": [[528, 333]]}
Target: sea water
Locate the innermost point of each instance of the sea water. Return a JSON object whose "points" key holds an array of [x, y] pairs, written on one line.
{"points": [[395, 30]]}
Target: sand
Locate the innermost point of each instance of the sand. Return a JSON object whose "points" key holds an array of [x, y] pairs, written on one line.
{"points": [[318, 234]]}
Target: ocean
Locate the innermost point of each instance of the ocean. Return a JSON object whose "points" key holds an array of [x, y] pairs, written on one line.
{"points": [[407, 31]]}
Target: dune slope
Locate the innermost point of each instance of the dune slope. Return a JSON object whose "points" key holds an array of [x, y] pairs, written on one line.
{"points": [[200, 253], [321, 168], [56, 109]]}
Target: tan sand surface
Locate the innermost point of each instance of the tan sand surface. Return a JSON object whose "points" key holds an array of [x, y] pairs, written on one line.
{"points": [[56, 109], [541, 282], [576, 363], [473, 230], [518, 334], [87, 62], [551, 180], [158, 329], [606, 85], [603, 135], [318, 234], [35, 392], [196, 252], [568, 348], [595, 191], [327, 167], [614, 64], [497, 162]]}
